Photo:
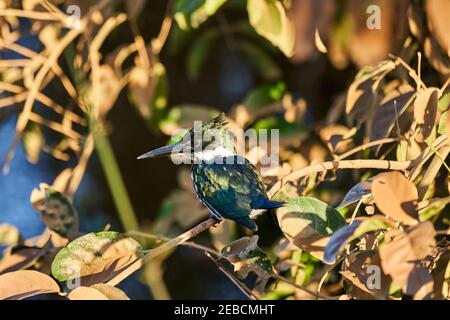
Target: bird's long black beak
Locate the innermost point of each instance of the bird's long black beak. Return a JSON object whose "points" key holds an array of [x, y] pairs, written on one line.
{"points": [[162, 151]]}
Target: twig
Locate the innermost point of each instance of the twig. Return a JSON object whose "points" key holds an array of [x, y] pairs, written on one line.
{"points": [[35, 87], [36, 15], [336, 165], [426, 155], [322, 279], [134, 266], [411, 71], [80, 168], [364, 147], [158, 42], [189, 244], [233, 279]]}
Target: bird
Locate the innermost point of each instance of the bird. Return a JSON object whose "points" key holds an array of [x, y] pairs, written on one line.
{"points": [[228, 184]]}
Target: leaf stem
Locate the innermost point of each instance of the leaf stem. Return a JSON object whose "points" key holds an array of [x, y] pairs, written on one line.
{"points": [[138, 263], [114, 179], [336, 165]]}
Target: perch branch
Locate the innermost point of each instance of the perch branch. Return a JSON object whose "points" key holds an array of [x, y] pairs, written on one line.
{"points": [[134, 266], [335, 165]]}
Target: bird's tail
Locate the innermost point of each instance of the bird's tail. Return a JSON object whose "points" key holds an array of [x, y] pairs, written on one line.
{"points": [[264, 203], [247, 222]]}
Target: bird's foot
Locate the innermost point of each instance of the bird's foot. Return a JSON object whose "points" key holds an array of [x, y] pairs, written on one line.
{"points": [[218, 220]]}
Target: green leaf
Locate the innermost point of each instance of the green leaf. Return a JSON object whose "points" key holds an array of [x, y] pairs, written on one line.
{"points": [[183, 116], [95, 257], [192, 13], [260, 61], [270, 19], [33, 141], [444, 101], [286, 130], [308, 223], [442, 121], [198, 53], [434, 207], [264, 95]]}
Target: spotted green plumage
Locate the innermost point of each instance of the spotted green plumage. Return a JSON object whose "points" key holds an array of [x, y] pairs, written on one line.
{"points": [[230, 190]]}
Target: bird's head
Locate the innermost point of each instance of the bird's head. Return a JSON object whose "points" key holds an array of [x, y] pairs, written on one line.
{"points": [[204, 141]]}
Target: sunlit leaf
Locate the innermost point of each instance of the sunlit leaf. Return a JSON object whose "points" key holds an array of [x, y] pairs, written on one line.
{"points": [[9, 234], [192, 13], [395, 196], [400, 257], [25, 283], [309, 223], [95, 257], [271, 20], [99, 291], [33, 141]]}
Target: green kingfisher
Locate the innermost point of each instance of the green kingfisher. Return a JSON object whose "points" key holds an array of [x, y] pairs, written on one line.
{"points": [[226, 183]]}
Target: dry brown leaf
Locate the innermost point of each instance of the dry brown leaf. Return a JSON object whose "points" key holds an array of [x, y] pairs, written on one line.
{"points": [[25, 283], [425, 110], [62, 180], [436, 56], [337, 137], [401, 257], [357, 270], [308, 16], [86, 293], [416, 21], [112, 293], [21, 258], [395, 196], [391, 108], [438, 21], [98, 291], [362, 93], [367, 46]]}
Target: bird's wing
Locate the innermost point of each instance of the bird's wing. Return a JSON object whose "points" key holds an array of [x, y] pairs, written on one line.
{"points": [[229, 188]]}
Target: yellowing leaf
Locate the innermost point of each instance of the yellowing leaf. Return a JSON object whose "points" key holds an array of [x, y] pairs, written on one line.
{"points": [[425, 110], [9, 234], [33, 141], [271, 20]]}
